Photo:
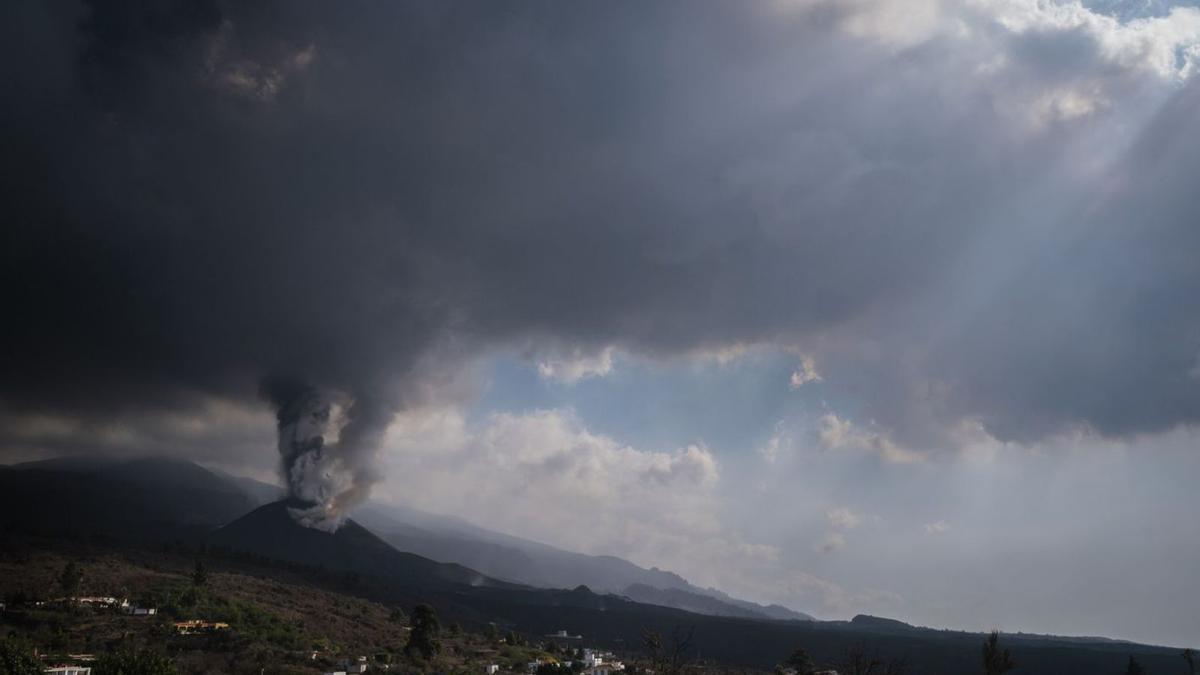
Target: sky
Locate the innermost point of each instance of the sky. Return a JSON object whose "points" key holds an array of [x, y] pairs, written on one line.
{"points": [[857, 306]]}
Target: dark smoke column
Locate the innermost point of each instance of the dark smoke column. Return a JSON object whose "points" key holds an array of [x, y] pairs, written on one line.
{"points": [[327, 445]]}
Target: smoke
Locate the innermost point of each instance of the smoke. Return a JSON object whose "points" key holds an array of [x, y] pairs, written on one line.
{"points": [[328, 441]]}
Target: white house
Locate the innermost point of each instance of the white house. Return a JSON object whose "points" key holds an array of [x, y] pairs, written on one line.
{"points": [[591, 659], [69, 670], [491, 669]]}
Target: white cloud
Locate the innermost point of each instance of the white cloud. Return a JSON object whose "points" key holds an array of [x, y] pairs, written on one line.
{"points": [[836, 433], [779, 441], [939, 527], [834, 541], [806, 372], [576, 366], [1166, 45], [543, 475], [843, 518]]}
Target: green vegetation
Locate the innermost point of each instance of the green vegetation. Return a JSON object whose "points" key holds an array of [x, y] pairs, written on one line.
{"points": [[134, 662], [799, 661], [199, 574], [424, 639], [70, 579], [249, 621], [16, 658]]}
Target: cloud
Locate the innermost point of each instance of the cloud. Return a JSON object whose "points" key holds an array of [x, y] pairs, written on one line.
{"points": [[805, 373], [843, 518], [835, 433], [939, 527], [227, 194], [543, 475], [577, 366], [780, 441], [834, 541]]}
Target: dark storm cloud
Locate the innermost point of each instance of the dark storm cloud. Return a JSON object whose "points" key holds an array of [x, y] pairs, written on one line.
{"points": [[200, 196]]}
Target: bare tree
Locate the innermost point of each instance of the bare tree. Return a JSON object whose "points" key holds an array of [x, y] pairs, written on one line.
{"points": [[995, 660], [665, 658], [858, 660]]}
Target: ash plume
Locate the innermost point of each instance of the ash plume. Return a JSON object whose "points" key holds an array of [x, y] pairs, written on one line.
{"points": [[327, 445], [187, 182]]}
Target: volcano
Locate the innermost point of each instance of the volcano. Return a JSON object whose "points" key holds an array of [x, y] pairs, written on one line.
{"points": [[271, 532]]}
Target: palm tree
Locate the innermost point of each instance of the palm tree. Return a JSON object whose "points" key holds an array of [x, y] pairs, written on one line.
{"points": [[995, 660]]}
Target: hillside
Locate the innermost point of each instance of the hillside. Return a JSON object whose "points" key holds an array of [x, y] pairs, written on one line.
{"points": [[268, 544], [269, 531], [133, 500], [157, 499], [280, 622], [692, 602], [534, 564]]}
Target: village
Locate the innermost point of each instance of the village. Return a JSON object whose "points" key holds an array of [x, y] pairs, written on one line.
{"points": [[494, 659], [191, 619]]}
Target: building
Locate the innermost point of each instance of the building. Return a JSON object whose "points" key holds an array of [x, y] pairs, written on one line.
{"points": [[351, 667], [197, 627], [68, 670], [102, 601], [610, 668], [139, 611], [491, 669]]}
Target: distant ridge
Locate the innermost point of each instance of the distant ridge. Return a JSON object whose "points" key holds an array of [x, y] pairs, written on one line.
{"points": [[271, 532], [504, 556], [707, 604], [146, 499]]}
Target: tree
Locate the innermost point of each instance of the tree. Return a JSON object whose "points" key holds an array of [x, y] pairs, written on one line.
{"points": [[397, 615], [130, 662], [799, 661], [856, 660], [455, 629], [1190, 656], [996, 660], [424, 636], [1135, 667], [667, 659], [16, 658], [70, 579], [199, 574]]}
